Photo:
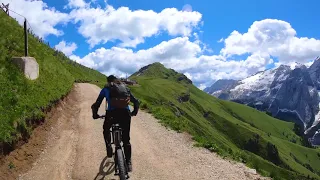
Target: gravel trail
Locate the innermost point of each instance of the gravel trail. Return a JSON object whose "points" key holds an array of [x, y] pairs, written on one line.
{"points": [[76, 150]]}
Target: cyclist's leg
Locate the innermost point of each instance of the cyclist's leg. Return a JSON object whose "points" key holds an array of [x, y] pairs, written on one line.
{"points": [[107, 135], [106, 131], [125, 125]]}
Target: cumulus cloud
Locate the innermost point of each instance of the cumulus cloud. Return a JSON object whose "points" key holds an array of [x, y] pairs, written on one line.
{"points": [[205, 47], [202, 86], [66, 48], [264, 39], [42, 18], [101, 25], [212, 68], [76, 4], [180, 54], [274, 37]]}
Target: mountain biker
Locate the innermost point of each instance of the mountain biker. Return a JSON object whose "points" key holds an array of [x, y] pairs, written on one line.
{"points": [[118, 111]]}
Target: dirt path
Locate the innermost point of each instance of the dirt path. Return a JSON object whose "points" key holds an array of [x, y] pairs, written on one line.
{"points": [[76, 149]]}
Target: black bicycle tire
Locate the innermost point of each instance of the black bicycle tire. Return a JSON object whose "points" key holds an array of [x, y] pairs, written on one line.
{"points": [[121, 165]]}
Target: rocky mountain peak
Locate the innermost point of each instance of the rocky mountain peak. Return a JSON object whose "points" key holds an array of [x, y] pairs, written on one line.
{"points": [[286, 92]]}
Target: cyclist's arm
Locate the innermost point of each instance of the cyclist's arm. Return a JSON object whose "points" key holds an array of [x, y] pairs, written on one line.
{"points": [[95, 106], [135, 102]]}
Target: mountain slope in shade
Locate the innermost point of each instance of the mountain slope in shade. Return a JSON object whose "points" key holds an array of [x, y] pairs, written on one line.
{"points": [[288, 93], [314, 71], [299, 97]]}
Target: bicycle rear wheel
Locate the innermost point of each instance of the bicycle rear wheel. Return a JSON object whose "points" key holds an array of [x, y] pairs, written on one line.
{"points": [[121, 165]]}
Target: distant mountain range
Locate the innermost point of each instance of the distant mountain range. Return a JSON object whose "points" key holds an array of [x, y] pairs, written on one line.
{"points": [[287, 93]]}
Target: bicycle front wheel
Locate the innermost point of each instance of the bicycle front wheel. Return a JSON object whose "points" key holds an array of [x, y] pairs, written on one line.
{"points": [[121, 165]]}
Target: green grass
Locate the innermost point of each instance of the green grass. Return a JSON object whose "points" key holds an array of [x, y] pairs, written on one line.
{"points": [[230, 129], [23, 102], [226, 127]]}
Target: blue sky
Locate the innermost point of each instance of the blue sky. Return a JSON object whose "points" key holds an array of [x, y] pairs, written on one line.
{"points": [[285, 32], [220, 17]]}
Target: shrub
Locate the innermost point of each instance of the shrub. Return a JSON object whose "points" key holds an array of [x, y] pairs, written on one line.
{"points": [[253, 145], [272, 153]]}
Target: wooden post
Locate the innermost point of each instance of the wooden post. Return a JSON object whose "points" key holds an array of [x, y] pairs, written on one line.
{"points": [[8, 9], [25, 38], [5, 8]]}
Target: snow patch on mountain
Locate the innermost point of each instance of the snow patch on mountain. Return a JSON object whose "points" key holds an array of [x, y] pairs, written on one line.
{"points": [[316, 138], [296, 65], [216, 92], [259, 82], [292, 89], [260, 86]]}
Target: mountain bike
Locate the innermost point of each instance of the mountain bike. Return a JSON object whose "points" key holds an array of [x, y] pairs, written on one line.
{"points": [[121, 168]]}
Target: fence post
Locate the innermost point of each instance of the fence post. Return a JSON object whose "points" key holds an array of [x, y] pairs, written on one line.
{"points": [[5, 8], [25, 38]]}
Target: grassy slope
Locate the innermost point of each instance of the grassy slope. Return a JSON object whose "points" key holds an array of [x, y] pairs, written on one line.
{"points": [[227, 126], [22, 101]]}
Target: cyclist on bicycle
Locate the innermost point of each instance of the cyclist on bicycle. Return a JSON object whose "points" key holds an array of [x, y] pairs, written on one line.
{"points": [[118, 97]]}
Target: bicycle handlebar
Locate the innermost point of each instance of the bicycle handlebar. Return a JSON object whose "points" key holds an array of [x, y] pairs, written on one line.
{"points": [[103, 116]]}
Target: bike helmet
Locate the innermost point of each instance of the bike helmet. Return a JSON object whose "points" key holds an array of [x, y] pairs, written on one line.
{"points": [[111, 78]]}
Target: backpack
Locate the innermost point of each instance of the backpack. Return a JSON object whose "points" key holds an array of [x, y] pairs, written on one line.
{"points": [[119, 95]]}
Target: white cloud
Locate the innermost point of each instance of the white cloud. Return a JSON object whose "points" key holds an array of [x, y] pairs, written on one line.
{"points": [[217, 67], [274, 37], [202, 86], [100, 25], [205, 47], [308, 64], [42, 18], [263, 40], [76, 4], [180, 54], [66, 48], [221, 40], [188, 75]]}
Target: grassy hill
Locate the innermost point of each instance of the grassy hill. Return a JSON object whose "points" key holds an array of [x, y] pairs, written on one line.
{"points": [[23, 102], [230, 129]]}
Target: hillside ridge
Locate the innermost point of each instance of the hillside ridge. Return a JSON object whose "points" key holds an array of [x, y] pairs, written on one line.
{"points": [[24, 103], [232, 130]]}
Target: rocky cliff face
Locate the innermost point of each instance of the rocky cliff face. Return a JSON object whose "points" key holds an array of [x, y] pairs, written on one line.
{"points": [[287, 93], [316, 138], [314, 71], [297, 95]]}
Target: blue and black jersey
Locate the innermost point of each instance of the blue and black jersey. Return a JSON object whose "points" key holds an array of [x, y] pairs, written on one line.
{"points": [[105, 93]]}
